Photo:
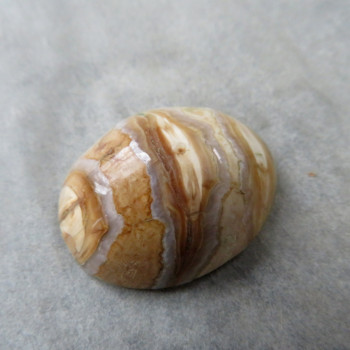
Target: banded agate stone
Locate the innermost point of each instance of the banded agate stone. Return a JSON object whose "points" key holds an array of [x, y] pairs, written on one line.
{"points": [[166, 197]]}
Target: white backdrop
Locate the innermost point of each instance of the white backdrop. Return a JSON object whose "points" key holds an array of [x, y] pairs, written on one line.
{"points": [[70, 70]]}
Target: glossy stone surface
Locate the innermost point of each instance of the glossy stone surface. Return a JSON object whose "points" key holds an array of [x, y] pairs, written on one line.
{"points": [[167, 196]]}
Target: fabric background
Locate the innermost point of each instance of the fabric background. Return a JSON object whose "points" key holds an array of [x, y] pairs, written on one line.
{"points": [[70, 70]]}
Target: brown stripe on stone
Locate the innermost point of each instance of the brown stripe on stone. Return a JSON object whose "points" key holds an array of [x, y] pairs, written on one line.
{"points": [[205, 120], [266, 177], [135, 258], [108, 146], [253, 192], [139, 127], [248, 178], [177, 200], [81, 218], [186, 212], [204, 144]]}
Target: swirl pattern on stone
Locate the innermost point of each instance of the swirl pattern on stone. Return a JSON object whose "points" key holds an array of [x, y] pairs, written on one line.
{"points": [[166, 197]]}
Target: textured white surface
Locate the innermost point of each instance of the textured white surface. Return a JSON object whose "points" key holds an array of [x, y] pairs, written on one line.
{"points": [[69, 70]]}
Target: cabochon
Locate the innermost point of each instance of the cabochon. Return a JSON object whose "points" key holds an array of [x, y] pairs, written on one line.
{"points": [[165, 197]]}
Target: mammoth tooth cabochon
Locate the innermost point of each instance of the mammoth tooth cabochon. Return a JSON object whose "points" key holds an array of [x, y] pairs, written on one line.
{"points": [[166, 197]]}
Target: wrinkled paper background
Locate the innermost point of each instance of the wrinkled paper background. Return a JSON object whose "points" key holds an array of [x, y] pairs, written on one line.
{"points": [[70, 70]]}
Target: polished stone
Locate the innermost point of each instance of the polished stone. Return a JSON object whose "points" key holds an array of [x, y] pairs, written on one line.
{"points": [[69, 70]]}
